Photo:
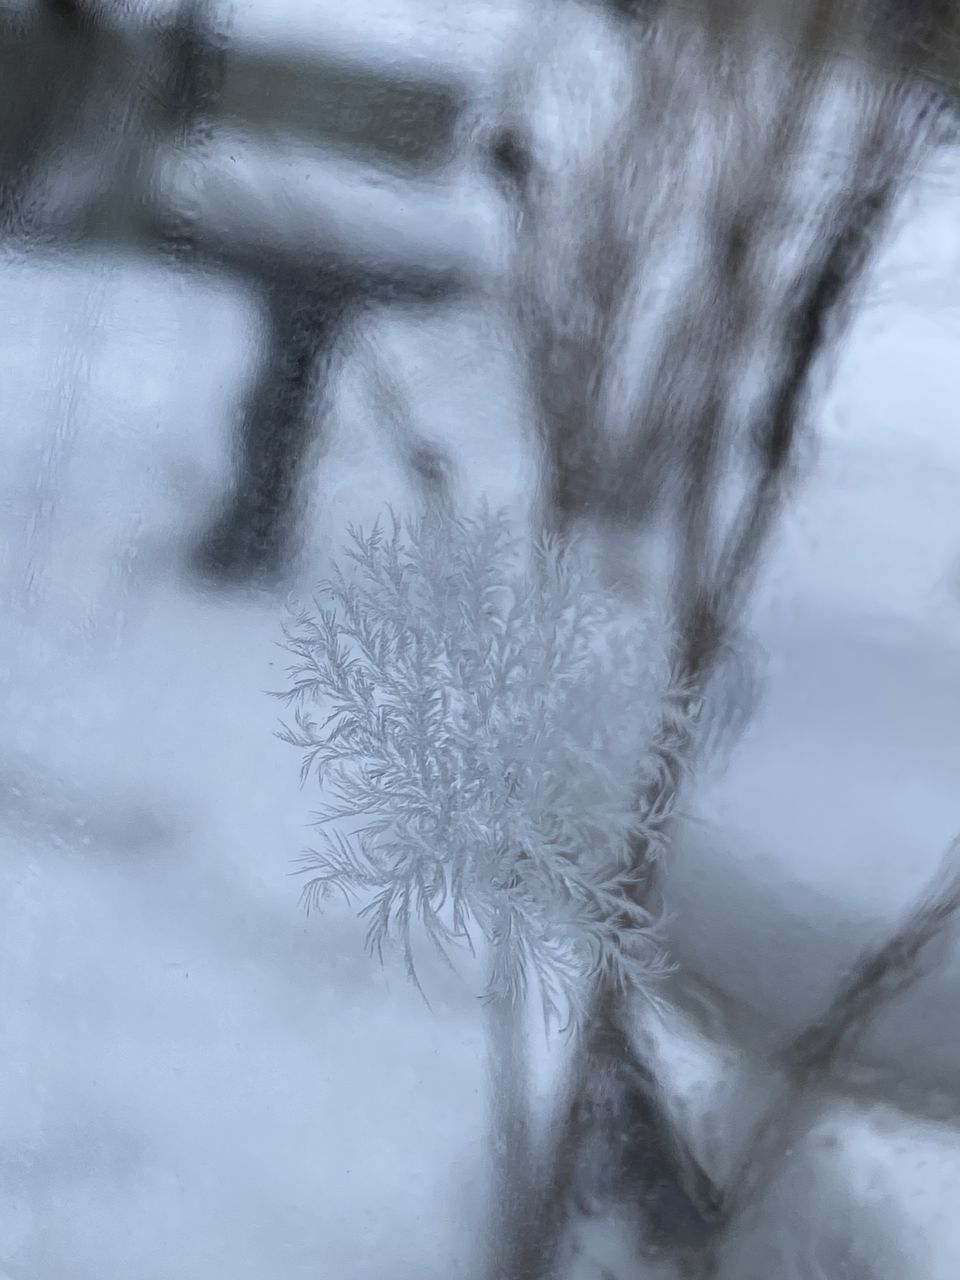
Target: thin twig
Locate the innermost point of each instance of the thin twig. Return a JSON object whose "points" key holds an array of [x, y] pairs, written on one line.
{"points": [[714, 573], [881, 976], [511, 1138]]}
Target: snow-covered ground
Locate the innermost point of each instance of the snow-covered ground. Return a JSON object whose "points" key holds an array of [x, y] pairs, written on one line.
{"points": [[197, 1082]]}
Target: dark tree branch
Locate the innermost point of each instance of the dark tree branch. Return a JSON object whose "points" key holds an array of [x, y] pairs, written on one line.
{"points": [[610, 1086], [880, 977]]}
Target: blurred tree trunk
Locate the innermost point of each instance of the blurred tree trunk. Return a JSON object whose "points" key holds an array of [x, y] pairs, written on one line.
{"points": [[731, 179]]}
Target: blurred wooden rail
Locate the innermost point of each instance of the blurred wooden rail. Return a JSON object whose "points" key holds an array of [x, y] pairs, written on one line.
{"points": [[91, 105], [150, 85], [163, 83]]}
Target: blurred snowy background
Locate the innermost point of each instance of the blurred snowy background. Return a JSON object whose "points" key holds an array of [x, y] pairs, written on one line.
{"points": [[196, 1082]]}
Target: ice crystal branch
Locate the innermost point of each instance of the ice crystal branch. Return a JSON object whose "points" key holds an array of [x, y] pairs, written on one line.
{"points": [[475, 718]]}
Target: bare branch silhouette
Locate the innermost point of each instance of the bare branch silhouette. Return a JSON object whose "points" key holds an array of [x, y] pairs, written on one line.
{"points": [[881, 976], [685, 424]]}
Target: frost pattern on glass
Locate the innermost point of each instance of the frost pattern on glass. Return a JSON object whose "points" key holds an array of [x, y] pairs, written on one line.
{"points": [[478, 723]]}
